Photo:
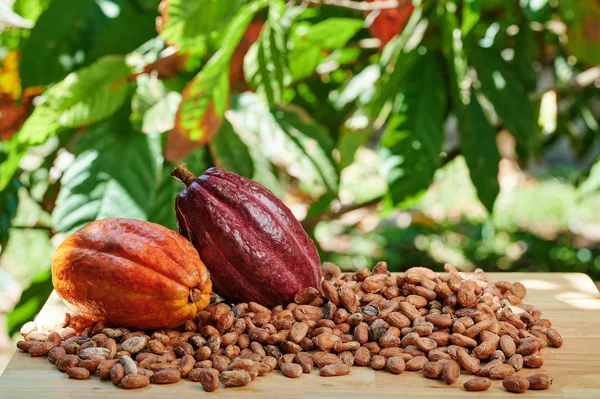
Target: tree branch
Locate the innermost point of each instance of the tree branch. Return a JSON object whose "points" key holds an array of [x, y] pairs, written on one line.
{"points": [[360, 5]]}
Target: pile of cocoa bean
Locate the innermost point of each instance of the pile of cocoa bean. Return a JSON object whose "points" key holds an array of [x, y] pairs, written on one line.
{"points": [[417, 321]]}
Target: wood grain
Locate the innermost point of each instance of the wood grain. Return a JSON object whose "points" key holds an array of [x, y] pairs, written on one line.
{"points": [[570, 300]]}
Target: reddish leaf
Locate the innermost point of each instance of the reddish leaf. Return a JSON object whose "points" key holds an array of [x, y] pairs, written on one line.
{"points": [[179, 145], [389, 23], [13, 114], [237, 79]]}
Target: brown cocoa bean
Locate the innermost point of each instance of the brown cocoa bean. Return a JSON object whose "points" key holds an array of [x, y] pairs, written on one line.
{"points": [[117, 372], [433, 370], [235, 378], [78, 373], [66, 362], [539, 381], [291, 370], [166, 376], [134, 381], [56, 353], [533, 361], [450, 372], [41, 349], [515, 383], [333, 370], [395, 364], [378, 362], [501, 371], [554, 337], [416, 363], [477, 384]]}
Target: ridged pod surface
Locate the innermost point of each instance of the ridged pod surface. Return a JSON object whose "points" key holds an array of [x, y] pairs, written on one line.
{"points": [[131, 273], [250, 241]]}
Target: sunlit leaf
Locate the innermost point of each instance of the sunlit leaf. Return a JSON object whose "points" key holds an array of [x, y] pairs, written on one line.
{"points": [[115, 174], [208, 85], [312, 43], [91, 94], [291, 140], [265, 64], [188, 23]]}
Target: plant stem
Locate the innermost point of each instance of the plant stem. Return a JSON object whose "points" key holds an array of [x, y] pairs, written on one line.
{"points": [[183, 174]]}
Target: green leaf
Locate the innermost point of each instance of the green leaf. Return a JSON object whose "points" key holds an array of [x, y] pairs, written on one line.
{"points": [[413, 138], [203, 88], [41, 125], [477, 135], [91, 94], [115, 174], [30, 9], [265, 64], [188, 23], [501, 85], [72, 33], [311, 43], [396, 59], [537, 10], [290, 139], [591, 185], [161, 116], [162, 210], [31, 302], [307, 146], [59, 34], [230, 152], [478, 146], [9, 202], [471, 12], [132, 27]]}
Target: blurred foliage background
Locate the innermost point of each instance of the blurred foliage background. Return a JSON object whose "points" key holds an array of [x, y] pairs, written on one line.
{"points": [[424, 132]]}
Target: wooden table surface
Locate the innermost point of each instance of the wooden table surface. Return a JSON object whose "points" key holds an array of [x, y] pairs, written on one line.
{"points": [[570, 300]]}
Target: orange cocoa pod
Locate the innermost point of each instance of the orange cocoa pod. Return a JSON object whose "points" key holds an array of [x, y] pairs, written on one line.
{"points": [[131, 273]]}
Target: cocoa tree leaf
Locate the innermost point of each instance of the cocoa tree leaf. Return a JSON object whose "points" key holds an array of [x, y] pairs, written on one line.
{"points": [[73, 33], [188, 23], [115, 174], [230, 152], [477, 135], [179, 144], [9, 202], [478, 146], [290, 139], [91, 94], [133, 26], [537, 10], [413, 138], [161, 209], [41, 125], [583, 30], [591, 184], [265, 64], [502, 86], [308, 147], [31, 302], [312, 43], [471, 12], [262, 168], [209, 84]]}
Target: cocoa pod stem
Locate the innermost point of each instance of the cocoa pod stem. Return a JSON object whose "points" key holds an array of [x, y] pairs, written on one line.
{"points": [[183, 174]]}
